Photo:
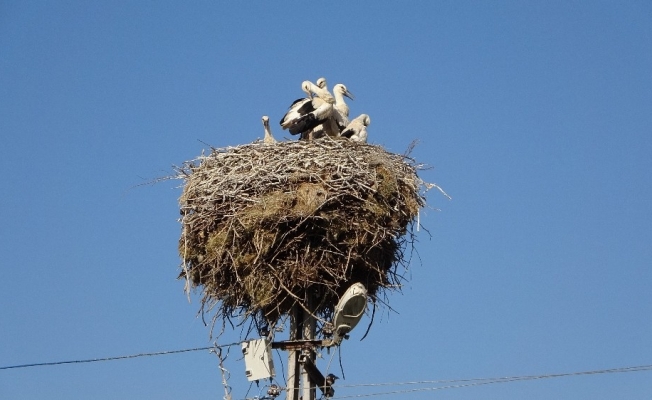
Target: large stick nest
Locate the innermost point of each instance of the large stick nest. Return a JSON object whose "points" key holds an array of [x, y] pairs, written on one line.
{"points": [[265, 227]]}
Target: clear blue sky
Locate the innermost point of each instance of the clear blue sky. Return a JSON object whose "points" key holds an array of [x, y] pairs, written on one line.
{"points": [[536, 116]]}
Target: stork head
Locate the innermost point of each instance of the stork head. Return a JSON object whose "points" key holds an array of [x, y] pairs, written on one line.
{"points": [[265, 120], [365, 119], [321, 82], [340, 88], [306, 86]]}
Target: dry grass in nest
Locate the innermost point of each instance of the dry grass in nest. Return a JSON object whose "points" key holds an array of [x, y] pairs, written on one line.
{"points": [[266, 226]]}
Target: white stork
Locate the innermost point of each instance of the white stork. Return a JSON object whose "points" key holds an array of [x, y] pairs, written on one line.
{"points": [[305, 114], [357, 129], [340, 117], [341, 113], [268, 139], [328, 127]]}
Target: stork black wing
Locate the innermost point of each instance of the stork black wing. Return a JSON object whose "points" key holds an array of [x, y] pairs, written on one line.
{"points": [[298, 106], [347, 133], [305, 123], [306, 108]]}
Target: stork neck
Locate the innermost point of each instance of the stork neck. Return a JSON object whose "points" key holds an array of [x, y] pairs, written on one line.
{"points": [[322, 93], [339, 98]]}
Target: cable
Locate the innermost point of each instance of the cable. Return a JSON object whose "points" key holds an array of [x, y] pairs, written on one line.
{"points": [[487, 381], [328, 366], [160, 353], [226, 375], [463, 382], [522, 377]]}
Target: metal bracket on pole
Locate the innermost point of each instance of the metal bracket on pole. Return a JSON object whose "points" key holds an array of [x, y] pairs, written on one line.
{"points": [[325, 385], [298, 345], [315, 375]]}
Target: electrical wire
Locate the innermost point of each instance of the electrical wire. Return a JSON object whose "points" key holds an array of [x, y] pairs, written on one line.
{"points": [[522, 377], [486, 381], [452, 383], [159, 353], [226, 375]]}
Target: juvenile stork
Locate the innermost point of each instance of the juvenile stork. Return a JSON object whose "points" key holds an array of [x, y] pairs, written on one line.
{"points": [[357, 129], [340, 118], [321, 82], [326, 128], [307, 113], [341, 113], [268, 139]]}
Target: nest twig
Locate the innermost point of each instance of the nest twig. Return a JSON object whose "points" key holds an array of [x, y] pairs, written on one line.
{"points": [[265, 227]]}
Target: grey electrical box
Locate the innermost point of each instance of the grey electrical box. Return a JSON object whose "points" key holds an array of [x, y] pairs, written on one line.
{"points": [[258, 359]]}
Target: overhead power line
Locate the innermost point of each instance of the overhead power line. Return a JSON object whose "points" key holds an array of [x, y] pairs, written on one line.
{"points": [[158, 353], [450, 383], [486, 381], [522, 377]]}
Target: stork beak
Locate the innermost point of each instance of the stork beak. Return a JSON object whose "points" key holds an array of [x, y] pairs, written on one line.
{"points": [[349, 95]]}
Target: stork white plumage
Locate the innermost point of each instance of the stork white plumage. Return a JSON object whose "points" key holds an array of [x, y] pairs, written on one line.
{"points": [[340, 117], [322, 93], [357, 129], [341, 109], [305, 114], [268, 139], [328, 127], [321, 82]]}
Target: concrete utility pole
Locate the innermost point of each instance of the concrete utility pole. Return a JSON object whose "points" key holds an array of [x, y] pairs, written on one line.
{"points": [[303, 375], [302, 338], [293, 355], [309, 325]]}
